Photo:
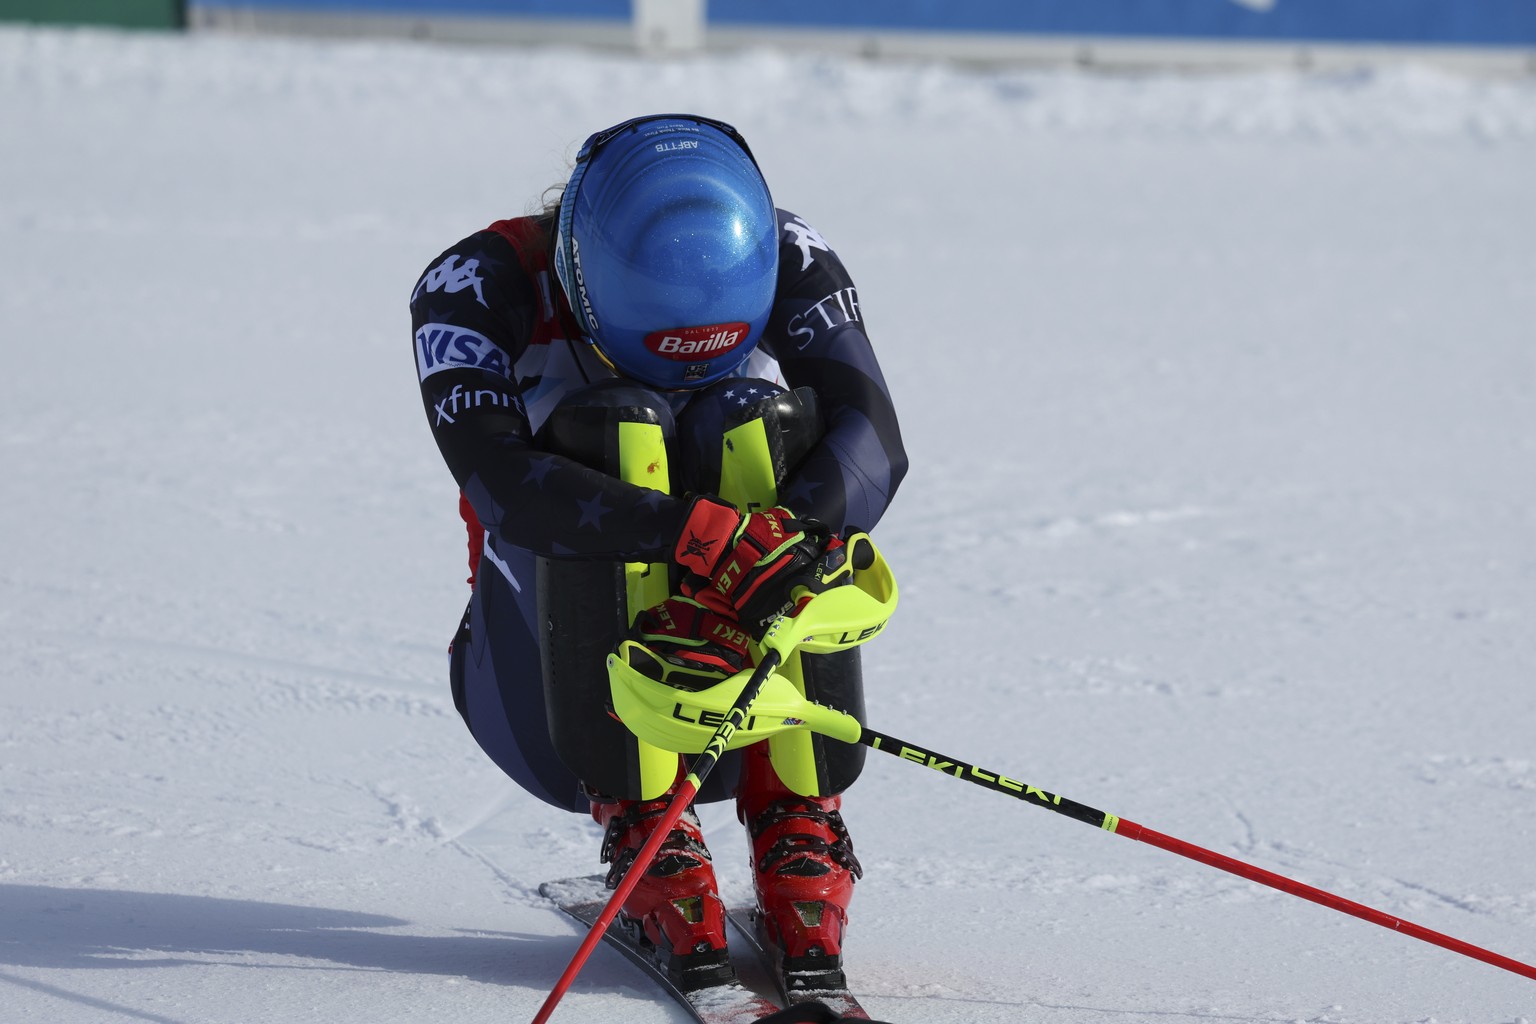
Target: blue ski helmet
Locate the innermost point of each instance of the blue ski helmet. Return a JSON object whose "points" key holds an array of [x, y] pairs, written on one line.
{"points": [[667, 247]]}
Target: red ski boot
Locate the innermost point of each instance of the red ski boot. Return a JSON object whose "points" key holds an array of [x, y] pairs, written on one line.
{"points": [[803, 863], [675, 909]]}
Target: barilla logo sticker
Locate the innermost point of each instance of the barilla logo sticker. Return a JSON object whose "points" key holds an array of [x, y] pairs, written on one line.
{"points": [[688, 344], [445, 347]]}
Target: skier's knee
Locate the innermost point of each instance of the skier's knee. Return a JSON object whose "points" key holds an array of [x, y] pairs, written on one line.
{"points": [[585, 425], [625, 430], [788, 423]]}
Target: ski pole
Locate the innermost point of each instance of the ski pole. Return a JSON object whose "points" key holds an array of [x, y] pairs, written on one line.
{"points": [[686, 791], [1131, 830], [679, 719], [832, 619]]}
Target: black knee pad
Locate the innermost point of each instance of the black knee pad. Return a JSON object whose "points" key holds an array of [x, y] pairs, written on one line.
{"points": [[584, 425], [790, 422], [584, 606], [837, 680], [741, 439]]}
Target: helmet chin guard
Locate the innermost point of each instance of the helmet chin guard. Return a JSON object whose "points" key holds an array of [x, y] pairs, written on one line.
{"points": [[667, 248]]}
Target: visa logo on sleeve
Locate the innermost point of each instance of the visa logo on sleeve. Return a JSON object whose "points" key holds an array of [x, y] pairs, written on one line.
{"points": [[445, 347]]}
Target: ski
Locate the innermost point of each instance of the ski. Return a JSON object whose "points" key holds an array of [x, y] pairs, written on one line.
{"points": [[793, 988], [727, 1003]]}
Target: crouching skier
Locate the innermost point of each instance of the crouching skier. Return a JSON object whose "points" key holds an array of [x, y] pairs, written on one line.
{"points": [[603, 380]]}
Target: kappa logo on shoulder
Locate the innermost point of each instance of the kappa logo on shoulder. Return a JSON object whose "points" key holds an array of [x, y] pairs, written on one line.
{"points": [[806, 238], [448, 276], [446, 347]]}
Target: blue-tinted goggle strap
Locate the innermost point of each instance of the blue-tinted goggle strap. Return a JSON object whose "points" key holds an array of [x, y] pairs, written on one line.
{"points": [[597, 140]]}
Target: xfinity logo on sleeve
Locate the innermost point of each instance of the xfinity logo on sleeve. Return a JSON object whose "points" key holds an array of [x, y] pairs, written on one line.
{"points": [[689, 344], [461, 401], [445, 347]]}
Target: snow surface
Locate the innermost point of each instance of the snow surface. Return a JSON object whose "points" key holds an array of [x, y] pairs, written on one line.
{"points": [[1221, 399]]}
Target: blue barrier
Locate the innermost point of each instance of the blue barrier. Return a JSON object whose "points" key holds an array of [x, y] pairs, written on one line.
{"points": [[1465, 22], [1451, 22]]}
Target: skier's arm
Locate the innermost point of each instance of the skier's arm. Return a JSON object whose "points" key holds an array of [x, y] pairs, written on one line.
{"points": [[817, 334], [472, 314]]}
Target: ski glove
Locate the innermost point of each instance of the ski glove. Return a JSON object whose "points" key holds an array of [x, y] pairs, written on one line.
{"points": [[693, 638], [748, 566]]}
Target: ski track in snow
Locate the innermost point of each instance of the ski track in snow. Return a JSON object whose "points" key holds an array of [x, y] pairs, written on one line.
{"points": [[1218, 391]]}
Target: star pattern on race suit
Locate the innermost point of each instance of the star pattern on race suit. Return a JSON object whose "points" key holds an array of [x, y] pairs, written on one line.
{"points": [[801, 493], [438, 313], [488, 262], [592, 512], [653, 499], [538, 469], [747, 399]]}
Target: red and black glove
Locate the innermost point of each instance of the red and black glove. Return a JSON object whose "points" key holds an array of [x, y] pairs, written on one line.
{"points": [[690, 636], [748, 565]]}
